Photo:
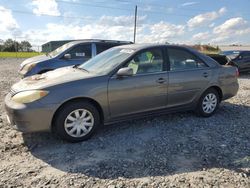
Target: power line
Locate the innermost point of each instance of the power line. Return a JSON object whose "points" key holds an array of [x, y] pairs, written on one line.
{"points": [[101, 6], [88, 18], [180, 8], [50, 15], [92, 5]]}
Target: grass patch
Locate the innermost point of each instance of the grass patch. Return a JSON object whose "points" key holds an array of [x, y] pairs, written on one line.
{"points": [[19, 54], [209, 52]]}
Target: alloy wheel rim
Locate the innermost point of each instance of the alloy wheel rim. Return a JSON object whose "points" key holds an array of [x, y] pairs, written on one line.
{"points": [[79, 123], [209, 103]]}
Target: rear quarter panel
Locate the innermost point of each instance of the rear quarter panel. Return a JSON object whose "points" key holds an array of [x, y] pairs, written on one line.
{"points": [[228, 81]]}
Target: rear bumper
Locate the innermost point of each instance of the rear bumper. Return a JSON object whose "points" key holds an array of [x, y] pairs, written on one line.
{"points": [[33, 117], [230, 90]]}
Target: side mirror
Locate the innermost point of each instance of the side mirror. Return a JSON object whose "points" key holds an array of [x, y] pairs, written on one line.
{"points": [[67, 56], [126, 71], [239, 57]]}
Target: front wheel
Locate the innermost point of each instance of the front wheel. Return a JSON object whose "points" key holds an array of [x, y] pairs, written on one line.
{"points": [[77, 121], [208, 103]]}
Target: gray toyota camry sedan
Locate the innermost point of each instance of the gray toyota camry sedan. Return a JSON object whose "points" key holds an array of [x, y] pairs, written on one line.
{"points": [[121, 83]]}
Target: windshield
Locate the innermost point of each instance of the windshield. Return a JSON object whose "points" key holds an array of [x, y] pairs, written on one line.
{"points": [[60, 49], [106, 61]]}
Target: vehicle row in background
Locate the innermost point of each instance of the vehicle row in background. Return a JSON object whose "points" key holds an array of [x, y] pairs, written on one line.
{"points": [[69, 54], [239, 59]]}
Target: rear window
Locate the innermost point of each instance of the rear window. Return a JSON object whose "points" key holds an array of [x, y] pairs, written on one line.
{"points": [[231, 54], [100, 47], [221, 59]]}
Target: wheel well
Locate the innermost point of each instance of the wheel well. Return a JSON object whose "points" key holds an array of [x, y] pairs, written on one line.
{"points": [[96, 104], [218, 89]]}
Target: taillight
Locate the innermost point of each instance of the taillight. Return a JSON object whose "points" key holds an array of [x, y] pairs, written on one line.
{"points": [[237, 73]]}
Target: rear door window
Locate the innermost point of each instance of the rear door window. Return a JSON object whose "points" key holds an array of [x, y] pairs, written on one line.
{"points": [[100, 47], [182, 60], [246, 55]]}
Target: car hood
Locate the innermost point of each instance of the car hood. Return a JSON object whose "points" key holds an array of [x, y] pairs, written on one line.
{"points": [[35, 59], [51, 78]]}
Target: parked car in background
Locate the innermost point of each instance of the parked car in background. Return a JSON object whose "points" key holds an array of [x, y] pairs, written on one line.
{"points": [[240, 59], [72, 53], [119, 84]]}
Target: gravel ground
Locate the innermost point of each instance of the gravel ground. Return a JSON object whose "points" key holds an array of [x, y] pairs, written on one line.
{"points": [[176, 150]]}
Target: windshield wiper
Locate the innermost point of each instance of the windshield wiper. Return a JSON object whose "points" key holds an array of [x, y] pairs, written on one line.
{"points": [[80, 68]]}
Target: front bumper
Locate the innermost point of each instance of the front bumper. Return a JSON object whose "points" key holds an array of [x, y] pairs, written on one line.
{"points": [[32, 117]]}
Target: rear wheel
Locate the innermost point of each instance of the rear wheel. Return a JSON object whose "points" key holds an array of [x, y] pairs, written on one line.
{"points": [[77, 121], [208, 103]]}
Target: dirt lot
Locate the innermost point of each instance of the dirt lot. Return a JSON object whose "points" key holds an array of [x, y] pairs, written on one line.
{"points": [[177, 150]]}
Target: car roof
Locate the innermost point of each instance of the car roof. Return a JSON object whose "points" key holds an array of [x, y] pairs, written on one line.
{"points": [[100, 41], [144, 46]]}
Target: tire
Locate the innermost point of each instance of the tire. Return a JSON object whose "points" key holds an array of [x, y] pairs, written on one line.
{"points": [[209, 98], [76, 121]]}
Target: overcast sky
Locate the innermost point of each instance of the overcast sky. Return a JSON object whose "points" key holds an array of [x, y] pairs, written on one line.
{"points": [[174, 21]]}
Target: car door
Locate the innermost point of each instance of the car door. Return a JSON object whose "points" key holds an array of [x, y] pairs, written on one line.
{"points": [[244, 61], [78, 54], [188, 76], [145, 90]]}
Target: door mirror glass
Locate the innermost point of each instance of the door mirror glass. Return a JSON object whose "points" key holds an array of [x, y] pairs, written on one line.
{"points": [[67, 56], [190, 61], [126, 71]]}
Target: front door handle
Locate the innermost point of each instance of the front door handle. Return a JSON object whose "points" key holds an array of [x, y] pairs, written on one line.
{"points": [[161, 80]]}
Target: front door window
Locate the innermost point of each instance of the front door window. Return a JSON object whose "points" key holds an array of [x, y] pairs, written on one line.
{"points": [[149, 61]]}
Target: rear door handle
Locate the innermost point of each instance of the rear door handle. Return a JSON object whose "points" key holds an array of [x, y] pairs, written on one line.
{"points": [[205, 74], [161, 80]]}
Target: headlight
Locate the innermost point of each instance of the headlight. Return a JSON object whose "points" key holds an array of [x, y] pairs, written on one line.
{"points": [[29, 96], [27, 68]]}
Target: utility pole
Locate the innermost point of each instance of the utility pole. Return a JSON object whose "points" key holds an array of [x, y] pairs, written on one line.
{"points": [[15, 46], [135, 22]]}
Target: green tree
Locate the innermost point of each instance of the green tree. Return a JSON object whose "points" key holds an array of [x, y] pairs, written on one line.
{"points": [[10, 46], [25, 46], [1, 45]]}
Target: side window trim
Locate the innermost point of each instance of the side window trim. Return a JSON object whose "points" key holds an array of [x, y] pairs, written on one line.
{"points": [[166, 56], [93, 50]]}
